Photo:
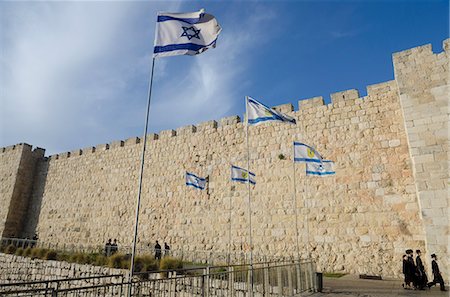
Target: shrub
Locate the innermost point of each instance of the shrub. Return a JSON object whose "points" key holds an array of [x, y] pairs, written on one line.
{"points": [[27, 252], [63, 256], [169, 263], [100, 260], [51, 255], [10, 249], [79, 258], [115, 261], [41, 253], [19, 252]]}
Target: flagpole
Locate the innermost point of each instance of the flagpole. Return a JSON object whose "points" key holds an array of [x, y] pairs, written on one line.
{"points": [[249, 199], [306, 215], [138, 200], [295, 201], [229, 234]]}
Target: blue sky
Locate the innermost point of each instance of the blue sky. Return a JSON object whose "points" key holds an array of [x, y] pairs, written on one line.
{"points": [[75, 74]]}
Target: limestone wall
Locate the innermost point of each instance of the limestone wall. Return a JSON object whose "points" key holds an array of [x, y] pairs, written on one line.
{"points": [[17, 170], [22, 269], [424, 88], [359, 221]]}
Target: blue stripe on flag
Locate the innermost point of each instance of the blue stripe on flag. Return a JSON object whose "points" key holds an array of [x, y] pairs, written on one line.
{"points": [[182, 46], [163, 18], [195, 186], [199, 178], [307, 160], [243, 180], [251, 173], [320, 173]]}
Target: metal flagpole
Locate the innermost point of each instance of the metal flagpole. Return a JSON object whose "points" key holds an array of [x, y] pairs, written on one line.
{"points": [[295, 201], [249, 199], [229, 234], [138, 201], [306, 215]]}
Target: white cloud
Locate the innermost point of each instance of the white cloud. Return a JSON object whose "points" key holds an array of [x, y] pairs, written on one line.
{"points": [[75, 74]]}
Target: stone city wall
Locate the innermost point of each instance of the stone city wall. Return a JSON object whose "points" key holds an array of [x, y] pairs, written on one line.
{"points": [[359, 221]]}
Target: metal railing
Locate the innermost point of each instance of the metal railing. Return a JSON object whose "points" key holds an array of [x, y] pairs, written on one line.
{"points": [[262, 279]]}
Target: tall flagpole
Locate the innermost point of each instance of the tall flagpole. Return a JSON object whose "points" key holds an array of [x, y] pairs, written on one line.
{"points": [[229, 234], [295, 201], [249, 199], [138, 200]]}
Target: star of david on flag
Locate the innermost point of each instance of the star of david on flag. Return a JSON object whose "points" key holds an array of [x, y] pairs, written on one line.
{"points": [[239, 174], [325, 168], [306, 153], [185, 33], [193, 180], [258, 113]]}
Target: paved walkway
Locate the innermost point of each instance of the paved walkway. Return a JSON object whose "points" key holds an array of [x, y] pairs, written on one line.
{"points": [[352, 286]]}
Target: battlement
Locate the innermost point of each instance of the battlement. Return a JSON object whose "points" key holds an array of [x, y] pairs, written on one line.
{"points": [[310, 105]]}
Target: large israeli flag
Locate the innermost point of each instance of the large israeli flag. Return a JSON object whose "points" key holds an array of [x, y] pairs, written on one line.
{"points": [[258, 113], [185, 33], [306, 153], [193, 180], [239, 174], [325, 168]]}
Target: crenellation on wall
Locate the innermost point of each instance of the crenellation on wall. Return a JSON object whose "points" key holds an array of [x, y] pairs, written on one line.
{"points": [[75, 153], [284, 108], [186, 130], [344, 96], [310, 103], [88, 150], [232, 120], [102, 147], [167, 134], [381, 88], [206, 126], [132, 141], [116, 144], [64, 155]]}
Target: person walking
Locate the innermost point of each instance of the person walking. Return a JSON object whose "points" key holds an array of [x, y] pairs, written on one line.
{"points": [[407, 282], [422, 278], [437, 274], [157, 251], [166, 249], [410, 269]]}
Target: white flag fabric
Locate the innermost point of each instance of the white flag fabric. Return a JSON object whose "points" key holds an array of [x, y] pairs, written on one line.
{"points": [[325, 168], [185, 33], [258, 113], [239, 174], [306, 153], [195, 181]]}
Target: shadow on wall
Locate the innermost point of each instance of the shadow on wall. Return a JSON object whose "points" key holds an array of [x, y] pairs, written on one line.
{"points": [[35, 202]]}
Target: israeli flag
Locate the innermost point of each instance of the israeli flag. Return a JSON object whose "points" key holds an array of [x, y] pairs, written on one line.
{"points": [[195, 181], [325, 168], [239, 174], [185, 33], [306, 153], [258, 113]]}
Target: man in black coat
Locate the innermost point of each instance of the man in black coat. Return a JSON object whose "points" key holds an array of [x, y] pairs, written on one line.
{"points": [[422, 278], [436, 273], [411, 268], [157, 251]]}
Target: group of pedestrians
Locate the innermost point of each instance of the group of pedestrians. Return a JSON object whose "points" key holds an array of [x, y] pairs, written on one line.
{"points": [[158, 250], [415, 274], [111, 247]]}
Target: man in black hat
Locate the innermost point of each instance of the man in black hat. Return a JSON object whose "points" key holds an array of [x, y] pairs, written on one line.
{"points": [[422, 278], [437, 274]]}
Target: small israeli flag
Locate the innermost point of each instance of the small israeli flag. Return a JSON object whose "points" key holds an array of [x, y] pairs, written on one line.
{"points": [[195, 181], [185, 33], [258, 113], [305, 153], [239, 174], [325, 168]]}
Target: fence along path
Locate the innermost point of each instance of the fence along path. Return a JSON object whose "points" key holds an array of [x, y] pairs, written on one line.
{"points": [[263, 279]]}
